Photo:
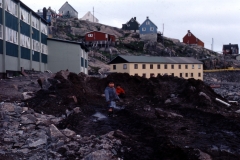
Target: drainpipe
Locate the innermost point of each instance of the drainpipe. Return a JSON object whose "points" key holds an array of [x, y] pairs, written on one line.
{"points": [[40, 37], [19, 38], [4, 37]]}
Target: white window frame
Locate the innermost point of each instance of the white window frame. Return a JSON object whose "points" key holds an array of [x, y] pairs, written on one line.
{"points": [[147, 23], [199, 66], [0, 3], [144, 29], [90, 35], [10, 34], [192, 66], [106, 35], [151, 28], [16, 10]]}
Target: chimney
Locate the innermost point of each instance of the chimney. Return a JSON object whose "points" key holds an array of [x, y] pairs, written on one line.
{"points": [[44, 13], [229, 44], [147, 17], [135, 18], [188, 31]]}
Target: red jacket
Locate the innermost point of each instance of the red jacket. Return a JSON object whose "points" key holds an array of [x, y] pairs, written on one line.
{"points": [[120, 91]]}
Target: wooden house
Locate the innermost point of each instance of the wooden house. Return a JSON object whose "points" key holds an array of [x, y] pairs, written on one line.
{"points": [[131, 25], [148, 31], [89, 17], [68, 11], [230, 49], [97, 38], [189, 38]]}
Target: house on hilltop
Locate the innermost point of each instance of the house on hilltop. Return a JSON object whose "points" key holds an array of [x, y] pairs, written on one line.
{"points": [[97, 38], [68, 11], [148, 31], [89, 17], [189, 38], [152, 66], [230, 49], [131, 25]]}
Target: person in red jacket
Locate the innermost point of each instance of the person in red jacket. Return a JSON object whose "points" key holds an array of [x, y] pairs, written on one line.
{"points": [[120, 91]]}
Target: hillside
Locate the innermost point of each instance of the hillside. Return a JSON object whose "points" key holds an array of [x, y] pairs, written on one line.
{"points": [[129, 43]]}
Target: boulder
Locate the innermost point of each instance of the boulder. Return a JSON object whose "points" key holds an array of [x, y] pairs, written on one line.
{"points": [[9, 107], [55, 133], [68, 133], [99, 155], [28, 119]]}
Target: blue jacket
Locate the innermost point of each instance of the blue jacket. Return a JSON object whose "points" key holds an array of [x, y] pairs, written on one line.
{"points": [[110, 94]]}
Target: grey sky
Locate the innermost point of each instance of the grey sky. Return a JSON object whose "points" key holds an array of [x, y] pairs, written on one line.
{"points": [[207, 19]]}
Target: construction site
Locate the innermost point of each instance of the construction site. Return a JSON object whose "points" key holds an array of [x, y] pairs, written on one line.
{"points": [[162, 117]]}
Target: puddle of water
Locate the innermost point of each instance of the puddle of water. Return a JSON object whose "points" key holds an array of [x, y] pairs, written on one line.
{"points": [[99, 116]]}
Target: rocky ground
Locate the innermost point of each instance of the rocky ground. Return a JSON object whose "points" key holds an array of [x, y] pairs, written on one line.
{"points": [[161, 118], [129, 43]]}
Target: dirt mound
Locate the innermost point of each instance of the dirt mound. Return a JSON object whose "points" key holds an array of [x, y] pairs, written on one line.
{"points": [[163, 115]]}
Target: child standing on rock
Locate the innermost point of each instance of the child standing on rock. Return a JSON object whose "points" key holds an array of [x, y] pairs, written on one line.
{"points": [[111, 97]]}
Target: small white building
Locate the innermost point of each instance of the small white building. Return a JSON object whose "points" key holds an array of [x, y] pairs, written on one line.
{"points": [[89, 17], [69, 55], [68, 11]]}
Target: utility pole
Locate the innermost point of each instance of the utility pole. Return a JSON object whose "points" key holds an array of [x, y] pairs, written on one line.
{"points": [[93, 14]]}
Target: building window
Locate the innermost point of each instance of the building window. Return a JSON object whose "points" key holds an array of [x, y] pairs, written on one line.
{"points": [[180, 74], [1, 31], [135, 66], [114, 67], [199, 74], [147, 23], [186, 74], [144, 75], [193, 66], [106, 35], [151, 66], [90, 35], [173, 74], [144, 66], [0, 3], [191, 74], [152, 75], [144, 29], [172, 66], [199, 66], [165, 66], [124, 66], [151, 28], [158, 66], [186, 66], [135, 74], [179, 66]]}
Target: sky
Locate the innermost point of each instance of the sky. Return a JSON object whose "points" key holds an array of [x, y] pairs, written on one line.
{"points": [[206, 19]]}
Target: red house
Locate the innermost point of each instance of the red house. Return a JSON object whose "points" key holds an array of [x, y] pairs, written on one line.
{"points": [[189, 38], [99, 38]]}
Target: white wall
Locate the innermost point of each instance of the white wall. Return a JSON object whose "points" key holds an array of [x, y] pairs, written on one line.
{"points": [[11, 63], [25, 64], [90, 18], [62, 56]]}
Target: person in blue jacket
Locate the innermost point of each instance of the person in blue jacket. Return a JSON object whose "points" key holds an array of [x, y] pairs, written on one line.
{"points": [[111, 97]]}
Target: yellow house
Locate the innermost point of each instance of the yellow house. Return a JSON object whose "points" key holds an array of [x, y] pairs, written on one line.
{"points": [[146, 66]]}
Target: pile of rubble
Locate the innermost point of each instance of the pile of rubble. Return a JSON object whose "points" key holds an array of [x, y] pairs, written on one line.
{"points": [[30, 135], [225, 84], [159, 116]]}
